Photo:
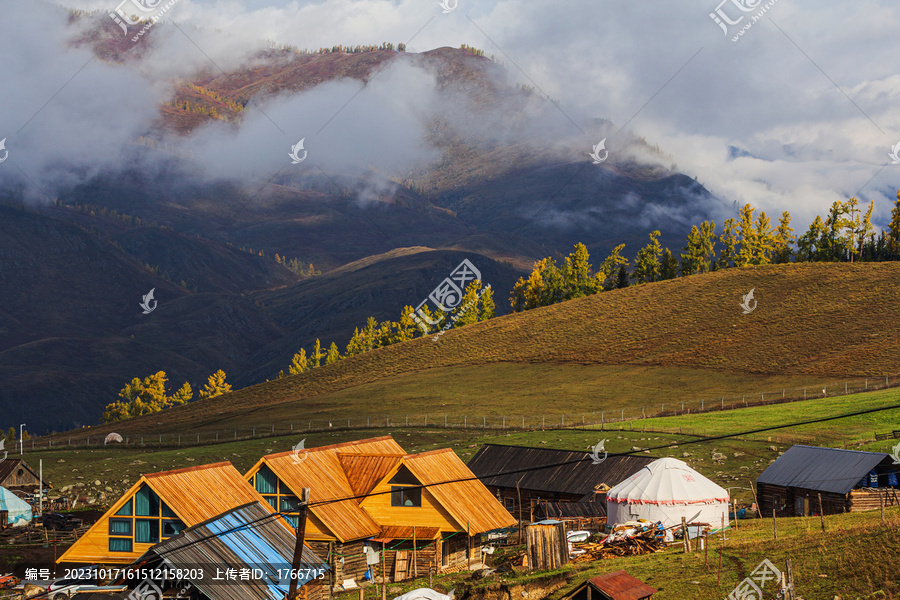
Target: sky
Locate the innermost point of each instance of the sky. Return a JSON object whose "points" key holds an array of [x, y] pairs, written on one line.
{"points": [[792, 114]]}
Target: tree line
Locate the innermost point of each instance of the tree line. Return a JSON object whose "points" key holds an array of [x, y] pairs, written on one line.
{"points": [[845, 234], [149, 395]]}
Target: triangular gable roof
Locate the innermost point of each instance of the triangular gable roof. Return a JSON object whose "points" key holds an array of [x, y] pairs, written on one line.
{"points": [[364, 471], [667, 481], [823, 469], [457, 489], [320, 470], [195, 494], [8, 466]]}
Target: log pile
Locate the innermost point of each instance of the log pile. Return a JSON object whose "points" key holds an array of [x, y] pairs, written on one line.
{"points": [[644, 542]]}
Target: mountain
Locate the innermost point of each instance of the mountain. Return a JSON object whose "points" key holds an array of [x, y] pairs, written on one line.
{"points": [[72, 332]]}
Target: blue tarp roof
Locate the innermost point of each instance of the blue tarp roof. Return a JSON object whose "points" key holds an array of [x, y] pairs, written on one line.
{"points": [[248, 537]]}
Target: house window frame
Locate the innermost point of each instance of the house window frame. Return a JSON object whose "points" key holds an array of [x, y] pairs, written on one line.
{"points": [[128, 520], [403, 491]]}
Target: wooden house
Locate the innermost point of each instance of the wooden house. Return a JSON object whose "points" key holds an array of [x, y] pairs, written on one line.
{"points": [[809, 480], [19, 478], [617, 585], [569, 476], [369, 495], [158, 507]]}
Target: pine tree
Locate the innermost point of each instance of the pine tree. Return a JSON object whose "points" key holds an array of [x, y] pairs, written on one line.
{"points": [[215, 386], [488, 309], [893, 236], [577, 278], [622, 278], [765, 240], [691, 257], [646, 263], [315, 359], [11, 435], [333, 355], [729, 241], [184, 394], [749, 243], [669, 267], [406, 328], [809, 245], [355, 345], [299, 364], [467, 311], [784, 238], [610, 268]]}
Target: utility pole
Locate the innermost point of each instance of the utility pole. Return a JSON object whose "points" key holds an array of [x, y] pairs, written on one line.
{"points": [[21, 441], [298, 549]]}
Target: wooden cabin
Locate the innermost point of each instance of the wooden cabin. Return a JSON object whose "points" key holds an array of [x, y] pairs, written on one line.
{"points": [[617, 585], [158, 507], [841, 480], [568, 476], [19, 478], [369, 495]]}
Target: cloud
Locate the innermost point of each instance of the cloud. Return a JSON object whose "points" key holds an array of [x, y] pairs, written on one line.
{"points": [[806, 94]]}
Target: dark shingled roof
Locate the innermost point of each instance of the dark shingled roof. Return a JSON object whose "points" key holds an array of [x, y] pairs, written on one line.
{"points": [[822, 469], [569, 510], [569, 471]]}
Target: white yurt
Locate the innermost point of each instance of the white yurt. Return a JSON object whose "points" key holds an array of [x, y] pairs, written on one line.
{"points": [[666, 490], [19, 510]]}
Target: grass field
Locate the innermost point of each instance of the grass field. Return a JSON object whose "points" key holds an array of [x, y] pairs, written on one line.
{"points": [[644, 346], [855, 557]]}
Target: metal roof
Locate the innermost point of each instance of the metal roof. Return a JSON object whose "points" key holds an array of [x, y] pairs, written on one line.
{"points": [[619, 585], [568, 471], [822, 469], [570, 510], [247, 537]]}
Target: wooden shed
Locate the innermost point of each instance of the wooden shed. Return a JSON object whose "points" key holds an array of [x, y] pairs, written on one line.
{"points": [[18, 477], [844, 480], [617, 585], [568, 476], [426, 509], [159, 506]]}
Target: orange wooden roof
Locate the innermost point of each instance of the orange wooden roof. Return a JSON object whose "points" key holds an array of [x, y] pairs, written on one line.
{"points": [[320, 470], [468, 501], [199, 493], [405, 532], [365, 470]]}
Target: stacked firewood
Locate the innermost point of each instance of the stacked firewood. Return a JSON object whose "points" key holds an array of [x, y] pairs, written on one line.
{"points": [[641, 543]]}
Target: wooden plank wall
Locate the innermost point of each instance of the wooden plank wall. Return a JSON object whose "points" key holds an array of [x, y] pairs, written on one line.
{"points": [[547, 546], [832, 504], [871, 498]]}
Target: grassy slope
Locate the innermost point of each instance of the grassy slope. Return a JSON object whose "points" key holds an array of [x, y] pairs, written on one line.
{"points": [[670, 341]]}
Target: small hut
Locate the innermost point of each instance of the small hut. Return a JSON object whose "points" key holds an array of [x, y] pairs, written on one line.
{"points": [[18, 477], [617, 585]]}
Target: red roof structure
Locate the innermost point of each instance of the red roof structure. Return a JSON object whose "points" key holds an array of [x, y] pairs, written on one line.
{"points": [[619, 585]]}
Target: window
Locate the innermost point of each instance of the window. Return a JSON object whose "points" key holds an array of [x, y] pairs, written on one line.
{"points": [[125, 510], [146, 531], [266, 481], [171, 527], [120, 526], [146, 503], [406, 496], [119, 544], [509, 503], [167, 512], [290, 504]]}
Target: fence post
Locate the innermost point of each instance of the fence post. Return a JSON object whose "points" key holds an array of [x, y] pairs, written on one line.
{"points": [[484, 422], [804, 393], [179, 439], [562, 421], [426, 420], [782, 393], [701, 404], [504, 422], [445, 420], [465, 421], [542, 422], [254, 432], [523, 422]]}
